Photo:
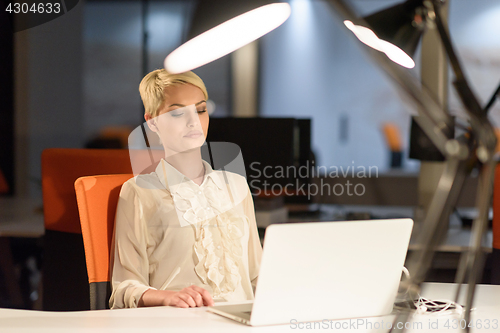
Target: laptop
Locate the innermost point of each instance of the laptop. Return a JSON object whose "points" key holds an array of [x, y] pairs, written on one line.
{"points": [[326, 270]]}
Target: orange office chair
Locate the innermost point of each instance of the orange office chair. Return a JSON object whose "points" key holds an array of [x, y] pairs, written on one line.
{"points": [[495, 258], [65, 282], [97, 198]]}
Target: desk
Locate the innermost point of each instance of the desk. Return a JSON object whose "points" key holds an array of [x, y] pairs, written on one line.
{"points": [[167, 319], [457, 238], [19, 217], [447, 256]]}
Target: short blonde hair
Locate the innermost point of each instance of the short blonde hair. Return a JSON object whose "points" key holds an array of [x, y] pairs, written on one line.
{"points": [[153, 85]]}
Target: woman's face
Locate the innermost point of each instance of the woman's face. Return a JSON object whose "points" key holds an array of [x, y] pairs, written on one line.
{"points": [[182, 123]]}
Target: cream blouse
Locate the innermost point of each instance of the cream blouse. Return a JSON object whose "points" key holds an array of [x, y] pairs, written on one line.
{"points": [[171, 233]]}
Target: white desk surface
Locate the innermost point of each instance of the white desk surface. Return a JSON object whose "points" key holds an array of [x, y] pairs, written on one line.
{"points": [[168, 319], [21, 217]]}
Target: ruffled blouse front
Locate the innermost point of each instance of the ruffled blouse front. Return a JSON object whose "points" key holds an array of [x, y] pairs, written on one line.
{"points": [[218, 230], [171, 233]]}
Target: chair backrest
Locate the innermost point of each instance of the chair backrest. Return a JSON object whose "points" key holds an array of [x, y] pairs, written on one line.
{"points": [[65, 280], [97, 198], [495, 258]]}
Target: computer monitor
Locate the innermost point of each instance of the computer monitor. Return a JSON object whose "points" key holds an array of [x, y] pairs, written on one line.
{"points": [[273, 149]]}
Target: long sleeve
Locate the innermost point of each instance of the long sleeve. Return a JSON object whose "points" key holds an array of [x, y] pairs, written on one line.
{"points": [[254, 245], [130, 264], [160, 239]]}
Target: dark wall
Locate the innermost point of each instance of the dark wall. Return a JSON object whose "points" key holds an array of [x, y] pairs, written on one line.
{"points": [[48, 94]]}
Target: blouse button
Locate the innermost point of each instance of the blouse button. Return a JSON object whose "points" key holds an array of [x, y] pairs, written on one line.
{"points": [[221, 268], [199, 192], [218, 246]]}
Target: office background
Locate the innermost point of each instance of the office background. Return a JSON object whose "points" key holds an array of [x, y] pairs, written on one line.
{"points": [[80, 73]]}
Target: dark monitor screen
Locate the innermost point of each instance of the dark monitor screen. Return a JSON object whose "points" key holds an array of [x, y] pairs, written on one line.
{"points": [[271, 147]]}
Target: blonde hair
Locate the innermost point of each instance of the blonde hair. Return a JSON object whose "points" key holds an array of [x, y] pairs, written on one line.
{"points": [[153, 85]]}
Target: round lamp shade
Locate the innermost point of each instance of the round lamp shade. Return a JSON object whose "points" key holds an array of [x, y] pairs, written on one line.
{"points": [[226, 37], [396, 31]]}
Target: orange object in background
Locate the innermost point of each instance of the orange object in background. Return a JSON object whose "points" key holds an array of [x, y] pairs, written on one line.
{"points": [[395, 144], [497, 132], [495, 256], [496, 209], [116, 132], [60, 169], [4, 186], [97, 198], [392, 137]]}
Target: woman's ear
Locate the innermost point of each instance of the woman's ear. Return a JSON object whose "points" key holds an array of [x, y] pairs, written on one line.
{"points": [[151, 122]]}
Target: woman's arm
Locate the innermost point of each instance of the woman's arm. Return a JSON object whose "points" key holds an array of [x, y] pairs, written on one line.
{"points": [[192, 296], [130, 264]]}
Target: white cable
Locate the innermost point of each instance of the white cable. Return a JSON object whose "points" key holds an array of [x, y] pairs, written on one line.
{"points": [[437, 307], [406, 272], [434, 307]]}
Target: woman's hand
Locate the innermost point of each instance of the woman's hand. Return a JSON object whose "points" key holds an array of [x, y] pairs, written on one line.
{"points": [[192, 296]]}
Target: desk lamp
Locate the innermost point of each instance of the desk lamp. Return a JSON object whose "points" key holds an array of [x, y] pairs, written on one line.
{"points": [[395, 31], [461, 155], [249, 21]]}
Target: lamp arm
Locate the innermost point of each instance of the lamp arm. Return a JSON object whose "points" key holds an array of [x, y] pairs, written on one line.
{"points": [[481, 126], [473, 262], [432, 231], [492, 100], [458, 154], [445, 38]]}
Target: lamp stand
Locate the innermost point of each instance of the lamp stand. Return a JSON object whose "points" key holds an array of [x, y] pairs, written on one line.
{"points": [[462, 155], [434, 76]]}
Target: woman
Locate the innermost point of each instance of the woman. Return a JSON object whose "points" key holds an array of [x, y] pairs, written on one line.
{"points": [[185, 235]]}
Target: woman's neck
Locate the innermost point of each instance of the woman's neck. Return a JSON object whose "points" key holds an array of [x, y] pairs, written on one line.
{"points": [[189, 163]]}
